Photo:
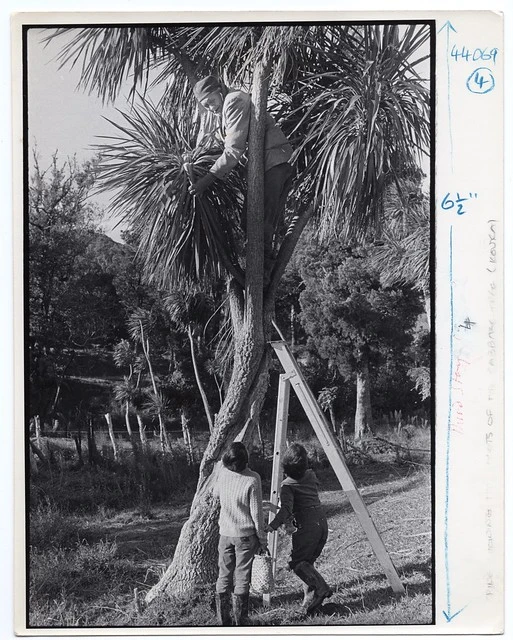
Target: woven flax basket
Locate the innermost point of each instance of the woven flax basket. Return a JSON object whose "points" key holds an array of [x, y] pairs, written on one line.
{"points": [[262, 580]]}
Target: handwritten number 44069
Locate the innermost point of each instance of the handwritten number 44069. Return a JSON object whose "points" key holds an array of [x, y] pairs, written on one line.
{"points": [[449, 202], [473, 55]]}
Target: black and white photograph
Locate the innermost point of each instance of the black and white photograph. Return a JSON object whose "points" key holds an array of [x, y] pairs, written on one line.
{"points": [[229, 345]]}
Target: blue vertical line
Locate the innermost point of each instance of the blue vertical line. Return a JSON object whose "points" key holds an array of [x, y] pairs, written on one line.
{"points": [[449, 420], [449, 98]]}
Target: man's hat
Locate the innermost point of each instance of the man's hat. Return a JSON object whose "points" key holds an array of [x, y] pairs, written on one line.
{"points": [[206, 86]]}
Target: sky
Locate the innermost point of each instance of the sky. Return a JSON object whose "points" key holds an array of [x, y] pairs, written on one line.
{"points": [[64, 119]]}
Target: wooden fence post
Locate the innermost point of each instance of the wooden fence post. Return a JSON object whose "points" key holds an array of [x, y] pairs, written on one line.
{"points": [[92, 451], [78, 444]]}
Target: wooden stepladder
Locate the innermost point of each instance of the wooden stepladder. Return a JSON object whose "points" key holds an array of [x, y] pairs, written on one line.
{"points": [[293, 377]]}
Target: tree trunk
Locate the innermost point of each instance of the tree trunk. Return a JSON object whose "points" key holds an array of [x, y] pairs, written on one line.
{"points": [[332, 419], [260, 438], [33, 462], [37, 423], [342, 436], [187, 439], [78, 444], [206, 405], [164, 441], [195, 556], [292, 326], [142, 432], [127, 420], [427, 305], [91, 446], [108, 418], [363, 415]]}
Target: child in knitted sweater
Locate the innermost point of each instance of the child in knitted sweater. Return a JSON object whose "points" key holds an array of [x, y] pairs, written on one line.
{"points": [[299, 498], [242, 535]]}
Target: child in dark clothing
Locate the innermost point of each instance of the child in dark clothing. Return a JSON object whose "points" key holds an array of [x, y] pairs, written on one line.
{"points": [[299, 498]]}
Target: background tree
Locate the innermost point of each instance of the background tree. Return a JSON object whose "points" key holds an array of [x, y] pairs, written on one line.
{"points": [[190, 311], [354, 321], [73, 302], [141, 324], [326, 400]]}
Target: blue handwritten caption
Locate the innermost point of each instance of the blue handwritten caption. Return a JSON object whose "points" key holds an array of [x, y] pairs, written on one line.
{"points": [[481, 80], [450, 201], [448, 612], [474, 55]]}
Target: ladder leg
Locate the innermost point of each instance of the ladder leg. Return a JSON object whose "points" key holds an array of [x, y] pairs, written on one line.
{"points": [[336, 458], [280, 439], [339, 465]]}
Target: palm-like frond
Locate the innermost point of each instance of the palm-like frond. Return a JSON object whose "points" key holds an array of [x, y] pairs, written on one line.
{"points": [[404, 257], [140, 324], [421, 377], [110, 55], [123, 355], [188, 307], [124, 391], [327, 397], [180, 237], [156, 404], [405, 261], [366, 119]]}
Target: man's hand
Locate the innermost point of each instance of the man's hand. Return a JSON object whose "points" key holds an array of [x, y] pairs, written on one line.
{"points": [[202, 184], [268, 529], [264, 550]]}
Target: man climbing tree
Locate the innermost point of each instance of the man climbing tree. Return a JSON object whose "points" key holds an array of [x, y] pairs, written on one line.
{"points": [[234, 109]]}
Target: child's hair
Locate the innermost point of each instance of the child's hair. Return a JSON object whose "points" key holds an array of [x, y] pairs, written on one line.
{"points": [[295, 461], [236, 458]]}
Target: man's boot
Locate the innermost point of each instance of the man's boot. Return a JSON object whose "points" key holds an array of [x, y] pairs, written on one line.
{"points": [[313, 579], [223, 609], [240, 610]]}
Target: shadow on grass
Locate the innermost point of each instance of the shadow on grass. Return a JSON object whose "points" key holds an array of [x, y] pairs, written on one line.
{"points": [[154, 537], [357, 596], [369, 497]]}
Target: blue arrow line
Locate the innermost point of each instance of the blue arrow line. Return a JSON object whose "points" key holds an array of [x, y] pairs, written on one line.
{"points": [[448, 615], [448, 28]]}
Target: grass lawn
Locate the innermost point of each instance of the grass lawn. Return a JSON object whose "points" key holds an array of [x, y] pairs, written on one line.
{"points": [[84, 568]]}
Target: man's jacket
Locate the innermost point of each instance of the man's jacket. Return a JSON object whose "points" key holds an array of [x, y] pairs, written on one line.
{"points": [[235, 128]]}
